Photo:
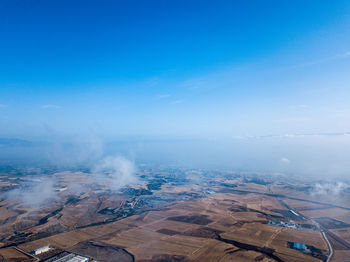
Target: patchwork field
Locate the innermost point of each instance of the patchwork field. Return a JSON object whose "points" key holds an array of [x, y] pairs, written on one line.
{"points": [[165, 217]]}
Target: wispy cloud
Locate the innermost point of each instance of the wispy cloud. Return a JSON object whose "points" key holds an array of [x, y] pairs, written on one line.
{"points": [[346, 54], [175, 102], [48, 106], [302, 106], [193, 83], [327, 59], [292, 119], [3, 106], [292, 135], [161, 96], [153, 81]]}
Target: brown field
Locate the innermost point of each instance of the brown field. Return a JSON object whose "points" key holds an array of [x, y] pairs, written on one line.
{"points": [[207, 220], [336, 213], [11, 253]]}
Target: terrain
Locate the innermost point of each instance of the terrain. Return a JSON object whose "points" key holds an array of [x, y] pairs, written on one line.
{"points": [[174, 214]]}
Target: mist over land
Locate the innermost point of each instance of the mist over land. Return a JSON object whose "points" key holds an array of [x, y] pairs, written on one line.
{"points": [[323, 156]]}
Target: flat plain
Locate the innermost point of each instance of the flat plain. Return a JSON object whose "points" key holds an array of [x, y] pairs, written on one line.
{"points": [[177, 215]]}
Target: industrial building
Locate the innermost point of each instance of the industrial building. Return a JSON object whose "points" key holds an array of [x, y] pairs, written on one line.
{"points": [[53, 254], [72, 258], [299, 246]]}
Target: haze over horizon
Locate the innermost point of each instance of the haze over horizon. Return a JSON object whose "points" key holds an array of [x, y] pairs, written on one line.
{"points": [[239, 84]]}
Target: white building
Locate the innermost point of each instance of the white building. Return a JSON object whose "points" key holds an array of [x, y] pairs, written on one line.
{"points": [[41, 250]]}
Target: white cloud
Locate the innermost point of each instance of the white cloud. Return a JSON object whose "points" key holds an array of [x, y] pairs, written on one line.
{"points": [[330, 188], [35, 193], [285, 160], [48, 106], [114, 172], [118, 170]]}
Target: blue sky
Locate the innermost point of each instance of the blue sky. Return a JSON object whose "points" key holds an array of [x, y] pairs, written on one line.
{"points": [[174, 69]]}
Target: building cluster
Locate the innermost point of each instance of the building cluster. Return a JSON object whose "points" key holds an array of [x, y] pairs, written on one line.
{"points": [[52, 254]]}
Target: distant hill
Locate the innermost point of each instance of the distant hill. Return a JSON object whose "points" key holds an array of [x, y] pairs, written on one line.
{"points": [[9, 142]]}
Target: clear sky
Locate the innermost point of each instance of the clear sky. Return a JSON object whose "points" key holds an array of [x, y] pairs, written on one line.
{"points": [[174, 69]]}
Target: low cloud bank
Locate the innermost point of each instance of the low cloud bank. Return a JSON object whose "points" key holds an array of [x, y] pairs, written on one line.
{"points": [[320, 157], [120, 170], [35, 193], [330, 189], [114, 172]]}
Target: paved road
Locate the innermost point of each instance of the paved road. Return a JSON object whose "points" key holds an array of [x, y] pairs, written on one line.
{"points": [[315, 223], [28, 254], [293, 198], [329, 246]]}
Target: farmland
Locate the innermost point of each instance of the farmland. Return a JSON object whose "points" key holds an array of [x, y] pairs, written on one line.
{"points": [[177, 215]]}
